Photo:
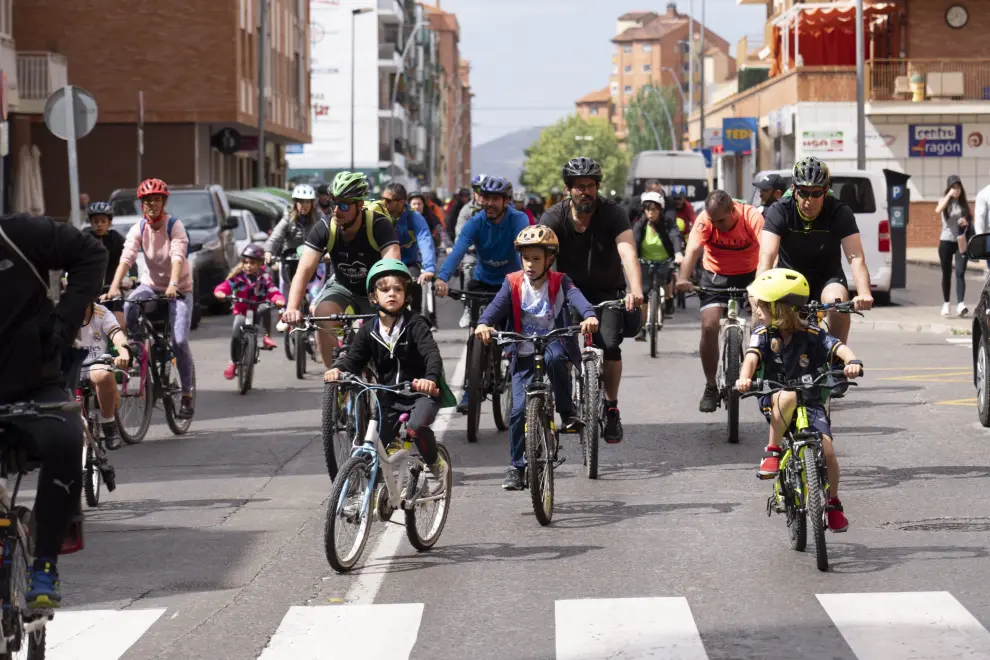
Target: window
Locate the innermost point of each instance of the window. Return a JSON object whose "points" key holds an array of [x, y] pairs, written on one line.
{"points": [[647, 68], [627, 68], [614, 88], [627, 89], [627, 49], [593, 112], [856, 192], [615, 69], [647, 48]]}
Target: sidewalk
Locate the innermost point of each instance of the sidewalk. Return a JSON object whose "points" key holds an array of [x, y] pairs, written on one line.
{"points": [[905, 317], [928, 256]]}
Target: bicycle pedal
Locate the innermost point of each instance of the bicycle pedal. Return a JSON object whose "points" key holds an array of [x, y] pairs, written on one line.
{"points": [[559, 461]]}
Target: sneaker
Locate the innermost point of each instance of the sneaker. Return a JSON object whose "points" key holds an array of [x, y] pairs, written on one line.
{"points": [[268, 344], [613, 426], [462, 407], [961, 309], [186, 410], [668, 307], [44, 590], [641, 336], [770, 465], [465, 318], [709, 400], [945, 309], [834, 516], [571, 423], [111, 435], [281, 326], [439, 472], [513, 479], [230, 371]]}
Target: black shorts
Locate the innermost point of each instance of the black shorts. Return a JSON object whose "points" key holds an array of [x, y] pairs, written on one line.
{"points": [[716, 281], [817, 284], [613, 324]]}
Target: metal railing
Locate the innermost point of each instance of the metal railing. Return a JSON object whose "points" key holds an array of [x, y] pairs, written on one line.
{"points": [[941, 80], [39, 73]]}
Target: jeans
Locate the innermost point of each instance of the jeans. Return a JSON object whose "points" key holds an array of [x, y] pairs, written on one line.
{"points": [[555, 361], [180, 313]]}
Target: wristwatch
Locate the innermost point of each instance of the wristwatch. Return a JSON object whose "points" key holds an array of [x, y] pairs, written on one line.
{"points": [[173, 283]]}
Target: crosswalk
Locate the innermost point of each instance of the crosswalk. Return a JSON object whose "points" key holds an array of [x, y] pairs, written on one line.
{"points": [[876, 626]]}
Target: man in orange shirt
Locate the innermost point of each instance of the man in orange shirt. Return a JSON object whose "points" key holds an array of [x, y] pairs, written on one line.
{"points": [[728, 231]]}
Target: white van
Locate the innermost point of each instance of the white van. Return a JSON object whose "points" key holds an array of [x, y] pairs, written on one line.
{"points": [[677, 171], [866, 193]]}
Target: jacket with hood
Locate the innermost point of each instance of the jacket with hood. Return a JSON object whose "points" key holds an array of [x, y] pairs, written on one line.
{"points": [[290, 232], [670, 237]]}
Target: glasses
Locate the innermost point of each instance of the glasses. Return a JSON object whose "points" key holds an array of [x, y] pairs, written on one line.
{"points": [[808, 193], [393, 288], [585, 187], [343, 206]]}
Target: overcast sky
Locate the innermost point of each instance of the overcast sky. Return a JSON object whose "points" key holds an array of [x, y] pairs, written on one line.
{"points": [[531, 59]]}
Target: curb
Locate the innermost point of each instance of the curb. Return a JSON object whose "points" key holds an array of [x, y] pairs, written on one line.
{"points": [[914, 326], [971, 268]]}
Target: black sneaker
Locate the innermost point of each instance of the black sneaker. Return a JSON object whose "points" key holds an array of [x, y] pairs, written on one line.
{"points": [[668, 307], [513, 479], [571, 423], [709, 400], [613, 426], [111, 435], [186, 409]]}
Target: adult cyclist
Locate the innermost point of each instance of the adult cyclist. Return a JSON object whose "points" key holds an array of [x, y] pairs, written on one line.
{"points": [[355, 237], [596, 249], [808, 232], [728, 232], [323, 198], [291, 231], [415, 241], [492, 232], [100, 218], [473, 207]]}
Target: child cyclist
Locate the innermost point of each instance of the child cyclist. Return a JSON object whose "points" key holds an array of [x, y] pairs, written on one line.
{"points": [[252, 281], [401, 346], [534, 298], [100, 327], [792, 347]]}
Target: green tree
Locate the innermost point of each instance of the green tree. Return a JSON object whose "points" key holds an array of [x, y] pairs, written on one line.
{"points": [[645, 113], [557, 145]]}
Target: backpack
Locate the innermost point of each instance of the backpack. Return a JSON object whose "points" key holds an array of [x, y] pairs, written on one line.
{"points": [[369, 221], [168, 232]]}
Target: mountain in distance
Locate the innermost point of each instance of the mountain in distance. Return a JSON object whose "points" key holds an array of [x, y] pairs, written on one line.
{"points": [[504, 156]]}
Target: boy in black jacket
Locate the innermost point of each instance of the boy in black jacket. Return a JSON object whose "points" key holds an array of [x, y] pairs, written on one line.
{"points": [[402, 348]]}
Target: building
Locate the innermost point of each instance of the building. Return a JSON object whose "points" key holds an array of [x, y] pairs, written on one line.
{"points": [[198, 75], [927, 101]]}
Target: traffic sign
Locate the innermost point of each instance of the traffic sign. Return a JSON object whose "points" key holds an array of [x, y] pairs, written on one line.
{"points": [[227, 141], [57, 113]]}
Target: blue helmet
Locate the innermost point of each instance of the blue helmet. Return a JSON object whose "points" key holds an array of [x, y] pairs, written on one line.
{"points": [[100, 208], [496, 185]]}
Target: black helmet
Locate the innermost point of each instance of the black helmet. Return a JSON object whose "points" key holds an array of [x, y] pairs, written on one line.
{"points": [[811, 172], [581, 167], [100, 208], [323, 189]]}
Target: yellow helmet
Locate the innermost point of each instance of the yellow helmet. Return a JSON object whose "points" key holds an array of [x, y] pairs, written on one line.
{"points": [[781, 285], [539, 236]]}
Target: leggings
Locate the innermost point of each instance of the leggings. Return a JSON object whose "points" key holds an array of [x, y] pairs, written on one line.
{"points": [[180, 312], [946, 249]]}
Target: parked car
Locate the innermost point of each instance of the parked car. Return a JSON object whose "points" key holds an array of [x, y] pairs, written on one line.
{"points": [[979, 248], [866, 193], [247, 231], [267, 211]]}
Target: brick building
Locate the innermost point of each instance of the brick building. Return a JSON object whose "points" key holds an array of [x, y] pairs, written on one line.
{"points": [[196, 64]]}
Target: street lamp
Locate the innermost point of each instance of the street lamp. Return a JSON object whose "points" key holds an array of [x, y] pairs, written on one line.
{"points": [[395, 88], [583, 138], [354, 12]]}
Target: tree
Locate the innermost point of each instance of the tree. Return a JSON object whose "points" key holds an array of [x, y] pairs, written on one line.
{"points": [[557, 145], [645, 114]]}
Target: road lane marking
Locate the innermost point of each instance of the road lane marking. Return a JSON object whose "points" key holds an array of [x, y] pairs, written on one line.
{"points": [[341, 631], [627, 628], [97, 634], [943, 377], [959, 341], [369, 578], [957, 402], [919, 368], [912, 625]]}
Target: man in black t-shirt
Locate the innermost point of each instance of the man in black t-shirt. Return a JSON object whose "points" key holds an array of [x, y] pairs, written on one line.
{"points": [[597, 251], [808, 232]]}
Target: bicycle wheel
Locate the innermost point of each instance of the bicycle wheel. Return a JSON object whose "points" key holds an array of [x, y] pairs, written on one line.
{"points": [[652, 312], [289, 342], [591, 403], [13, 577], [301, 338], [135, 408], [345, 508], [797, 524], [92, 478], [733, 362], [539, 459], [501, 391], [814, 502], [339, 429], [432, 523], [245, 372], [475, 365], [173, 398]]}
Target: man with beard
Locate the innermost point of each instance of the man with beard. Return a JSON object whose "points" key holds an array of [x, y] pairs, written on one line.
{"points": [[596, 249], [323, 198]]}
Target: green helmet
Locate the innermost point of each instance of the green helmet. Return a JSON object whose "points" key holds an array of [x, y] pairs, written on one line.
{"points": [[349, 185], [386, 267]]}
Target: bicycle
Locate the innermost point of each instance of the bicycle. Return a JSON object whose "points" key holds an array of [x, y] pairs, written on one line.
{"points": [[136, 403], [287, 265], [96, 467], [249, 351], [22, 629], [375, 481], [487, 369], [800, 491], [732, 333], [660, 272]]}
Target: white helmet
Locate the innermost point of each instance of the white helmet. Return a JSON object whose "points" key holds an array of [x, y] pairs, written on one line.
{"points": [[652, 197], [304, 191], [519, 196]]}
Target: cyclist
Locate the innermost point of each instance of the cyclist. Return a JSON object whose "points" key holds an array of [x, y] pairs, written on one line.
{"points": [[808, 232], [415, 241], [556, 197], [291, 231], [163, 240], [535, 299], [728, 233], [355, 238], [682, 211], [519, 201], [100, 326], [323, 198], [788, 349], [771, 188], [34, 334], [100, 218], [474, 206], [250, 280], [535, 206], [596, 250], [454, 208], [491, 232], [656, 238]]}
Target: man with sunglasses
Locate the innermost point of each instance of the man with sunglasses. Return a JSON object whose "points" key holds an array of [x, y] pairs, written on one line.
{"points": [[808, 232]]}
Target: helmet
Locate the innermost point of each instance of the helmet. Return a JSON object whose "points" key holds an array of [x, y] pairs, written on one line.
{"points": [[100, 208], [386, 267], [252, 251], [581, 167], [413, 195], [538, 236], [303, 191], [652, 197], [477, 181], [152, 187], [781, 285], [349, 185], [811, 172], [323, 189], [519, 196], [496, 185]]}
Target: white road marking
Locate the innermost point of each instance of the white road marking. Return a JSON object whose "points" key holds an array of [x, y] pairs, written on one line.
{"points": [[627, 629], [961, 341], [96, 634], [327, 632], [915, 625]]}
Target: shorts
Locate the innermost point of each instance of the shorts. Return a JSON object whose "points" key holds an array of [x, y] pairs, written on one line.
{"points": [[335, 292], [818, 419], [716, 281], [817, 284], [665, 268], [613, 324]]}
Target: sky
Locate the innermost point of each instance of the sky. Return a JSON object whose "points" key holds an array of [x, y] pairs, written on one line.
{"points": [[531, 59]]}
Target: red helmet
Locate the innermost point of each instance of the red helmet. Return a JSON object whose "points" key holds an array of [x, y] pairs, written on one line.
{"points": [[152, 187]]}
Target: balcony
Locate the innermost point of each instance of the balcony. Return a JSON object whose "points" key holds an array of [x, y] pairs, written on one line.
{"points": [[388, 57], [391, 12], [8, 63], [914, 85], [39, 73]]}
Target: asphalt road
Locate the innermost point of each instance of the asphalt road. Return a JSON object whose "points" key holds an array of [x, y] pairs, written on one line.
{"points": [[211, 547]]}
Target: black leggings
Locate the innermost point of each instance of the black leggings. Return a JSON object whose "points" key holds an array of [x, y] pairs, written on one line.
{"points": [[422, 413], [946, 249]]}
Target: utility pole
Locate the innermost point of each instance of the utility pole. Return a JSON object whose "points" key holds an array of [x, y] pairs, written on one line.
{"points": [[262, 48], [701, 61], [690, 61], [860, 91]]}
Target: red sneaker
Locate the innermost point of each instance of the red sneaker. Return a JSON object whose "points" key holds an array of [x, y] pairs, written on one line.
{"points": [[834, 516], [770, 464], [268, 343], [230, 371]]}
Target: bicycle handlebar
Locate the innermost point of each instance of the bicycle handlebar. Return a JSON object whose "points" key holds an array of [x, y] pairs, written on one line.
{"points": [[611, 304], [353, 380], [462, 294], [28, 409], [505, 337], [308, 323], [843, 307], [762, 386], [730, 290], [245, 301]]}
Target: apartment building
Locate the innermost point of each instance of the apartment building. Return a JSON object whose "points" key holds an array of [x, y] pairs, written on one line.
{"points": [[195, 65], [927, 98]]}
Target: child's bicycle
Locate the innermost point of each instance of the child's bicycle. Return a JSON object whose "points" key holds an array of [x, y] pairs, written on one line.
{"points": [[376, 481], [96, 467], [249, 352], [800, 491]]}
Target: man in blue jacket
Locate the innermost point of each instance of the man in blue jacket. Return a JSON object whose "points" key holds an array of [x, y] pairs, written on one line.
{"points": [[492, 231], [419, 253]]}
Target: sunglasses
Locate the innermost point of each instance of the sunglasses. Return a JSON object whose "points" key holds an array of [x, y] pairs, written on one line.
{"points": [[810, 194], [343, 206]]}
